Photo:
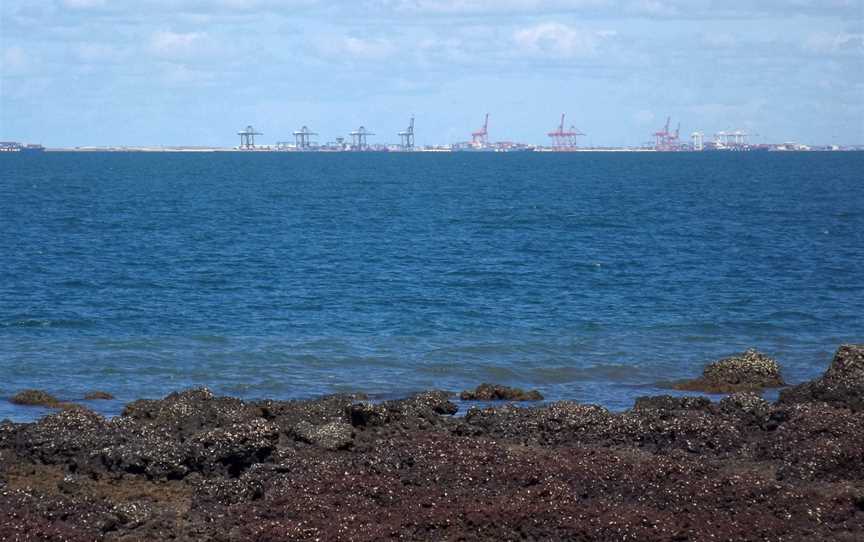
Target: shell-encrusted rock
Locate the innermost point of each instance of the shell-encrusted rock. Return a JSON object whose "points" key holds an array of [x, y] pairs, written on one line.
{"points": [[841, 385], [748, 371]]}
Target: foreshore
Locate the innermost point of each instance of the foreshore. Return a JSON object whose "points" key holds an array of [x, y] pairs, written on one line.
{"points": [[193, 466]]}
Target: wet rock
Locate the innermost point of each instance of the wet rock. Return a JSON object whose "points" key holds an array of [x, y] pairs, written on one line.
{"points": [[34, 398], [748, 371], [98, 396], [330, 436], [495, 392], [841, 385]]}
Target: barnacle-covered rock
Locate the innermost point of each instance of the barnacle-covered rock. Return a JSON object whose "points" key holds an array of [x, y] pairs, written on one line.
{"points": [[748, 371]]}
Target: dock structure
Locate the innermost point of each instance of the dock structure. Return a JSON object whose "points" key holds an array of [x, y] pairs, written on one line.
{"points": [[247, 138], [303, 138], [564, 140], [358, 139], [480, 138], [665, 140], [406, 137]]}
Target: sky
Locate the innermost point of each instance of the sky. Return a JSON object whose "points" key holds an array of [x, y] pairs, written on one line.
{"points": [[194, 72]]}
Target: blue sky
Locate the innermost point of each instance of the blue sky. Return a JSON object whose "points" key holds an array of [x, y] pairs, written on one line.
{"points": [[142, 72]]}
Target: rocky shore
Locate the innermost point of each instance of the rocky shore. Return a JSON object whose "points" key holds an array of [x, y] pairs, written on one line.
{"points": [[193, 466]]}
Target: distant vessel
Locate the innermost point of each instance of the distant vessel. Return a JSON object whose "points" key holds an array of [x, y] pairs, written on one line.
{"points": [[14, 146]]}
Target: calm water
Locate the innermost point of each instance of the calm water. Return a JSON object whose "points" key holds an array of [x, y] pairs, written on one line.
{"points": [[589, 276]]}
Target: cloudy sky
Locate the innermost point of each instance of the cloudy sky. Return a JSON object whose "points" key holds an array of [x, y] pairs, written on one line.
{"points": [[138, 72]]}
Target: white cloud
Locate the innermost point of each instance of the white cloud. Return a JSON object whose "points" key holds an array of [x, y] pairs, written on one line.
{"points": [[559, 40]]}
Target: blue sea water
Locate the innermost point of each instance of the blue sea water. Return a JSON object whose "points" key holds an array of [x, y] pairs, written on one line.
{"points": [[592, 277]]}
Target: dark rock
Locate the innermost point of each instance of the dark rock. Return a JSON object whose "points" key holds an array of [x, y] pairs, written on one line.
{"points": [[427, 407], [34, 398], [748, 371], [197, 467], [70, 484], [668, 402], [817, 441], [228, 491], [98, 395], [494, 392], [287, 414], [330, 436], [66, 437], [563, 421], [841, 385], [746, 403], [231, 450], [188, 412]]}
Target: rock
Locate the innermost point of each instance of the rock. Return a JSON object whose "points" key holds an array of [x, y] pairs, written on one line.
{"points": [[563, 421], [34, 398], [228, 491], [65, 437], [186, 413], [98, 395], [423, 408], [748, 371], [330, 436], [233, 449], [841, 385], [494, 392], [745, 403], [667, 402]]}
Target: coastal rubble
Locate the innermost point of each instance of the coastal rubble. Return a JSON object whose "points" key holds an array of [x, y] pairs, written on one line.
{"points": [[193, 466]]}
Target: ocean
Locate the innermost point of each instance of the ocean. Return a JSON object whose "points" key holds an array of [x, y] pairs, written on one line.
{"points": [[591, 277]]}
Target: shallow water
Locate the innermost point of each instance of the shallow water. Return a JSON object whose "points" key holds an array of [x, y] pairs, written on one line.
{"points": [[589, 276]]}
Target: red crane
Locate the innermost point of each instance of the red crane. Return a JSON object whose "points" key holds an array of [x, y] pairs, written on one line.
{"points": [[664, 140], [564, 139], [480, 138]]}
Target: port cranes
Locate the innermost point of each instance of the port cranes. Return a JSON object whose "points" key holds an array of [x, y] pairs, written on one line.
{"points": [[564, 139], [303, 138], [406, 137], [665, 140], [247, 138], [480, 138], [358, 139]]}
